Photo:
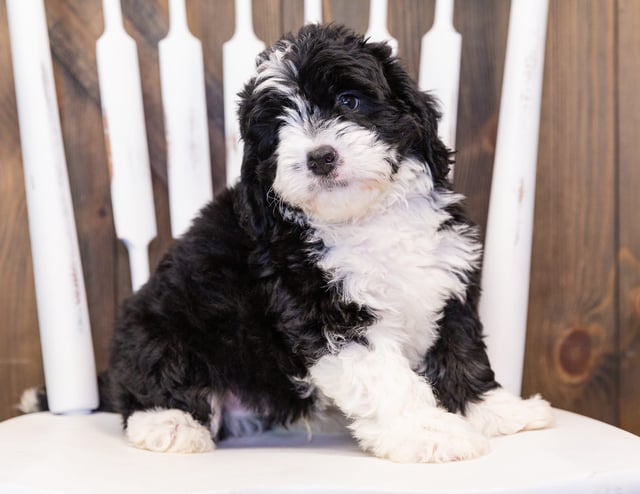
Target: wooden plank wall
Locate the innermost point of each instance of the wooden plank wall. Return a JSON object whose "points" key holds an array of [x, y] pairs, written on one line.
{"points": [[583, 345]]}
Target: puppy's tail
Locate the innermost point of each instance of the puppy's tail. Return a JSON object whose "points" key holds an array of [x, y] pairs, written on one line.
{"points": [[35, 399]]}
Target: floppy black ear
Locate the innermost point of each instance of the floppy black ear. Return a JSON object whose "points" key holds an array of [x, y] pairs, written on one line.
{"points": [[422, 116], [381, 50], [256, 169], [246, 108], [436, 153]]}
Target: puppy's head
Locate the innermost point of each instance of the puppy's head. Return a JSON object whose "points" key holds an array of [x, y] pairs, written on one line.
{"points": [[333, 124]]}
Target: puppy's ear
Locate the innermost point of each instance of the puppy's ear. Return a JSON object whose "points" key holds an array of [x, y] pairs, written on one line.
{"points": [[382, 51], [423, 115], [437, 154], [244, 107], [250, 189]]}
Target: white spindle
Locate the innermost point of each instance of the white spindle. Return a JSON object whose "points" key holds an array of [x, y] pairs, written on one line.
{"points": [[507, 258], [65, 332], [238, 59], [126, 138], [378, 30], [440, 68], [313, 11], [185, 117]]}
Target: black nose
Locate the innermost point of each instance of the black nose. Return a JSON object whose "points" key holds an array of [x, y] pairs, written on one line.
{"points": [[322, 160]]}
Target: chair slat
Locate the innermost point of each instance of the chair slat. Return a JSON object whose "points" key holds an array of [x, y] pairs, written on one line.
{"points": [[126, 137], [507, 258], [185, 116], [238, 60], [312, 11], [378, 30], [440, 68], [63, 316]]}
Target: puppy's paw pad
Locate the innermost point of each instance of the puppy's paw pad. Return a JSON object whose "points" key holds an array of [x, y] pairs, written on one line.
{"points": [[168, 431]]}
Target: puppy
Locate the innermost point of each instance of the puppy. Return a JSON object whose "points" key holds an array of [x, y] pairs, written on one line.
{"points": [[341, 271]]}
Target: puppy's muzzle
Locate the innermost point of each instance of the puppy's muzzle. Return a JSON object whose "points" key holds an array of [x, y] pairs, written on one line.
{"points": [[322, 160]]}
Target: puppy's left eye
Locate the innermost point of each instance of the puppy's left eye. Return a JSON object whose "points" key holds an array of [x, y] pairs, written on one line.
{"points": [[348, 101]]}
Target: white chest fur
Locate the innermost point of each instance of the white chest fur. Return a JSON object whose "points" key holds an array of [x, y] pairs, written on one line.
{"points": [[402, 266]]}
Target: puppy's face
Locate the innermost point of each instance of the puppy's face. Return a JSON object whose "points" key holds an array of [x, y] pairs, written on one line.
{"points": [[330, 121]]}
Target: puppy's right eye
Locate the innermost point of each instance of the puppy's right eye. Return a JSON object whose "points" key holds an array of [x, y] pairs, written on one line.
{"points": [[348, 101]]}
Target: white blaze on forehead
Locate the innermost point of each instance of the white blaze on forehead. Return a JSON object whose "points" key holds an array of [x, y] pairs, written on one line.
{"points": [[276, 72]]}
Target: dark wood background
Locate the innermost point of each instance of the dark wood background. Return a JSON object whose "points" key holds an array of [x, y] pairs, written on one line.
{"points": [[583, 344]]}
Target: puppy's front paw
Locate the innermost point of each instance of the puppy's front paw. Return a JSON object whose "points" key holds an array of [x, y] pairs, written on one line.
{"points": [[429, 438], [168, 431], [537, 413], [501, 413]]}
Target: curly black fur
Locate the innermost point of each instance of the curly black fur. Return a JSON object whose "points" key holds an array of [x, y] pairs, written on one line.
{"points": [[239, 304]]}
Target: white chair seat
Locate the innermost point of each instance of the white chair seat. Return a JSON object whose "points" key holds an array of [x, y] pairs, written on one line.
{"points": [[45, 453]]}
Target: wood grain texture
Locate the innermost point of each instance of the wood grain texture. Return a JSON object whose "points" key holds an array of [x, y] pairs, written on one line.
{"points": [[483, 26], [353, 13], [571, 354], [292, 15], [408, 21], [202, 15], [584, 330], [628, 126]]}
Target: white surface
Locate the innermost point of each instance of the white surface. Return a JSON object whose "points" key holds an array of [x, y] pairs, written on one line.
{"points": [[63, 317], [185, 117], [440, 68], [47, 453], [507, 257], [238, 65], [126, 137], [378, 30], [313, 11]]}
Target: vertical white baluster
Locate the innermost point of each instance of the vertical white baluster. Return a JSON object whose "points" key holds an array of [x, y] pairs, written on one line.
{"points": [[238, 59], [507, 258], [440, 69], [378, 30], [313, 11], [185, 116], [126, 138], [65, 332]]}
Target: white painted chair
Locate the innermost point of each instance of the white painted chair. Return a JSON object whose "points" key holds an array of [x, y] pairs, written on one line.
{"points": [[73, 451]]}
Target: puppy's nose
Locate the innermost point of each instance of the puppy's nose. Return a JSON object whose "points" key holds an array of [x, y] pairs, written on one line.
{"points": [[322, 160]]}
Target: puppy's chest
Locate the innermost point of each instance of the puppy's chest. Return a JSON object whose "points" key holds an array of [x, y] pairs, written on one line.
{"points": [[402, 265]]}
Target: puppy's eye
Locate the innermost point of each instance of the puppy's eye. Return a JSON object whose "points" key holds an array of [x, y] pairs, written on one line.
{"points": [[348, 101]]}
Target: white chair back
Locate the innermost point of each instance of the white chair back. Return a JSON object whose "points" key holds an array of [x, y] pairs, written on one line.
{"points": [[60, 292]]}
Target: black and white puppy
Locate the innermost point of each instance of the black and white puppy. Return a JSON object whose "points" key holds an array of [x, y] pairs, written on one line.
{"points": [[341, 271]]}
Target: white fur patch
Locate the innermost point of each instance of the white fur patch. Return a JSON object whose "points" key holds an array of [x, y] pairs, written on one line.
{"points": [[392, 410], [360, 180], [398, 262], [275, 72], [168, 431], [502, 413], [29, 401]]}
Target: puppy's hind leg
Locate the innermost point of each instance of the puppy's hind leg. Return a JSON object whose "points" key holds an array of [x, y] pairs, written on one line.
{"points": [[170, 430]]}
